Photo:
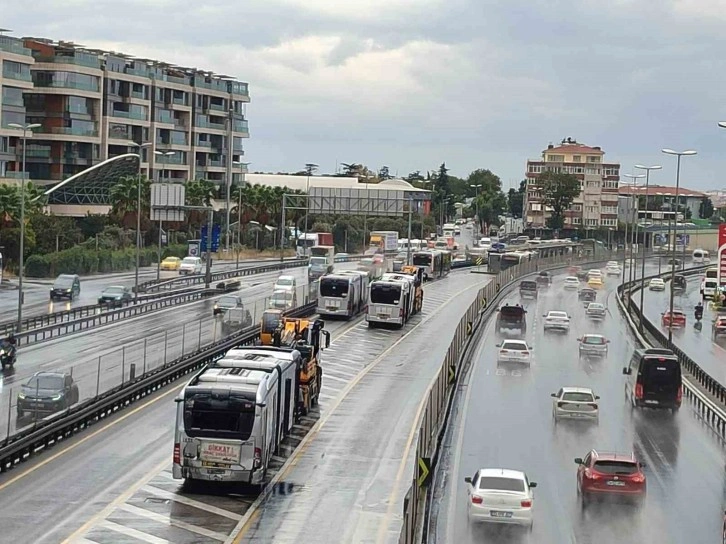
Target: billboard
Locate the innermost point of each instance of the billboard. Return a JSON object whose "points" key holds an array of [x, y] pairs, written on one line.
{"points": [[167, 195], [358, 201]]}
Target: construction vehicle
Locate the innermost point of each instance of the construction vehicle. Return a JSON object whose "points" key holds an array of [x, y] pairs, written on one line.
{"points": [[271, 320], [304, 335], [417, 274]]}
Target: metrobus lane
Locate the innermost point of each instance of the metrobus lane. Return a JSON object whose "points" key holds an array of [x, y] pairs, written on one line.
{"points": [[116, 485], [699, 345], [98, 358], [503, 418]]}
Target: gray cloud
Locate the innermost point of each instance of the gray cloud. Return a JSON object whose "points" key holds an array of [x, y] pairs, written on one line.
{"points": [[411, 83]]}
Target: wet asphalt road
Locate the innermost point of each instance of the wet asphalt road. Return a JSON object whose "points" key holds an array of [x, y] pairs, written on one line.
{"points": [[145, 341], [111, 474], [37, 298], [699, 345], [503, 419]]}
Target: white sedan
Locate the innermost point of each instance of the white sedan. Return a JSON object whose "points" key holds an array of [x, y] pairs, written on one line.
{"points": [[575, 403], [500, 495], [571, 282], [656, 284], [557, 321], [514, 351], [613, 270]]}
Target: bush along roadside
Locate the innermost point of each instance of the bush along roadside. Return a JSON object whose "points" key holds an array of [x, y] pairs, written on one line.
{"points": [[78, 260]]}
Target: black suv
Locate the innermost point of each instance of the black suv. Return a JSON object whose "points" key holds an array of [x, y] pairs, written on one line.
{"points": [[46, 393], [66, 286], [115, 296]]}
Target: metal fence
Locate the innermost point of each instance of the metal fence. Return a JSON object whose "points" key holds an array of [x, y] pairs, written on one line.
{"points": [[97, 375], [440, 395]]}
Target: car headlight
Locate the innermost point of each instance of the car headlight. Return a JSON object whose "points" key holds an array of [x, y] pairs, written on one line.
{"points": [[56, 397], [21, 395], [68, 290], [216, 306]]}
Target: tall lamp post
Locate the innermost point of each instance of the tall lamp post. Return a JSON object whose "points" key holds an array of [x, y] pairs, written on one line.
{"points": [[310, 168], [678, 154], [164, 155], [243, 171], [476, 204], [634, 228], [21, 258], [138, 216], [642, 262]]}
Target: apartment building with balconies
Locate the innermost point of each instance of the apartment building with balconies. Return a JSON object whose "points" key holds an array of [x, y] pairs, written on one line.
{"points": [[93, 105], [597, 204], [15, 79]]}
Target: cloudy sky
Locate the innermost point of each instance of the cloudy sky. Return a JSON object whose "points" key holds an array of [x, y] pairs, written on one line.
{"points": [[412, 83]]}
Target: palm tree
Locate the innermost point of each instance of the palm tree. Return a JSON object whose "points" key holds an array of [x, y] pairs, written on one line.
{"points": [[200, 192], [9, 204], [124, 198]]}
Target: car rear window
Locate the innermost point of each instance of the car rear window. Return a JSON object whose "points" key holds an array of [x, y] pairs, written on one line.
{"points": [[577, 397], [514, 345], [500, 483], [527, 285], [665, 372], [593, 340], [616, 467]]}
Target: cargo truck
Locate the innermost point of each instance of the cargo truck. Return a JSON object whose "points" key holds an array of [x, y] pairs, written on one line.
{"points": [[322, 261], [307, 241], [383, 241]]}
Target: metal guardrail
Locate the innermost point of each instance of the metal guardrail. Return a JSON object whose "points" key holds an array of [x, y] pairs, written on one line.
{"points": [[46, 433], [72, 314], [441, 394], [714, 414], [96, 316]]}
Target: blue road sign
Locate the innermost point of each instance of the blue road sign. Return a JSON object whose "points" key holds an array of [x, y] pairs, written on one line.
{"points": [[216, 234]]}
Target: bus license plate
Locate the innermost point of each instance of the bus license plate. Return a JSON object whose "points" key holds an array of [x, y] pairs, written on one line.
{"points": [[214, 465], [215, 471], [383, 316]]}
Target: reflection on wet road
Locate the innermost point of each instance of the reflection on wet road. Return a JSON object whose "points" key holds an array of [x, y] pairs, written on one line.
{"points": [[506, 422]]}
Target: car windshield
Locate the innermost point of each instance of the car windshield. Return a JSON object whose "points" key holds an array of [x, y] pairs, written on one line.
{"points": [[171, 259], [64, 282], [616, 467], [498, 483], [46, 382], [595, 306], [190, 260], [318, 261], [578, 396], [285, 281], [113, 291], [515, 346], [228, 301], [572, 279], [593, 340]]}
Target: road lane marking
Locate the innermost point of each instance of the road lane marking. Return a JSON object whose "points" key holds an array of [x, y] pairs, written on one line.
{"points": [[126, 495], [128, 531], [164, 494], [166, 520], [254, 511], [89, 437]]}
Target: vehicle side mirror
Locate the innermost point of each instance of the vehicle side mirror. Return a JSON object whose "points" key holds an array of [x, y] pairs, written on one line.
{"points": [[178, 399], [499, 345], [544, 315], [467, 480], [553, 395], [597, 397], [643, 465], [532, 484], [626, 371], [607, 341], [578, 460]]}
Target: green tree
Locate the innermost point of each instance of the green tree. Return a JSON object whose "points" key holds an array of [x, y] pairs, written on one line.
{"points": [[441, 192], [50, 229], [199, 192], [9, 204], [124, 197], [705, 209], [558, 192], [515, 199], [384, 173], [92, 224]]}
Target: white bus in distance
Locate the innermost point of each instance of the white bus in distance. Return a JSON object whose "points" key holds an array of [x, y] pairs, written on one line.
{"points": [[343, 294], [229, 419], [701, 256], [389, 303]]}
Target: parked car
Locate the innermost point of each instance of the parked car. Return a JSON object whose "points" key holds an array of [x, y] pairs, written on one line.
{"points": [[610, 474], [191, 265], [115, 296], [46, 393], [66, 286], [575, 403], [170, 263]]}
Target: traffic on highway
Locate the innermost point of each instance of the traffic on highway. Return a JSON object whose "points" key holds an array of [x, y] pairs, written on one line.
{"points": [[607, 467]]}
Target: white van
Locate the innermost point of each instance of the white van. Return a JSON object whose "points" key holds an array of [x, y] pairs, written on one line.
{"points": [[190, 265], [701, 256], [709, 286]]}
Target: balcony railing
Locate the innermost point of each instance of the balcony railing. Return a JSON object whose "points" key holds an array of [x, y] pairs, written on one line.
{"points": [[215, 85], [9, 101], [241, 126], [38, 153], [71, 131], [236, 87], [129, 115], [217, 107], [9, 45], [68, 85], [19, 76], [138, 94], [89, 62], [204, 144], [207, 124], [136, 71], [12, 174]]}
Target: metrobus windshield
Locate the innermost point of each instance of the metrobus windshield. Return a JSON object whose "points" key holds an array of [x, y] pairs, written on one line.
{"points": [[386, 294], [223, 414], [421, 259], [333, 287]]}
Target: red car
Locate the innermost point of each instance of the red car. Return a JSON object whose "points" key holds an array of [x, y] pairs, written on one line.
{"points": [[679, 318], [610, 474]]}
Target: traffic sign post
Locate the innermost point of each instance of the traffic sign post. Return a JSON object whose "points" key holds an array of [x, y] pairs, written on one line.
{"points": [[722, 254]]}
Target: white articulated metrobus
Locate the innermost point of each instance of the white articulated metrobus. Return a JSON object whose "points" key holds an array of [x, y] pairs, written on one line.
{"points": [[233, 414], [343, 294]]}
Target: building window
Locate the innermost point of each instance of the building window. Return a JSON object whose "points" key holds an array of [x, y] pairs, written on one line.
{"points": [[595, 171], [611, 172], [13, 117], [576, 158], [535, 207], [16, 70], [556, 158], [593, 159], [67, 80], [576, 220]]}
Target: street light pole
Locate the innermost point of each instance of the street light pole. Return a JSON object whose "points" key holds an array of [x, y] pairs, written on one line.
{"points": [[476, 204], [634, 229], [642, 262], [678, 154], [243, 170], [310, 168], [21, 257], [164, 155], [138, 218]]}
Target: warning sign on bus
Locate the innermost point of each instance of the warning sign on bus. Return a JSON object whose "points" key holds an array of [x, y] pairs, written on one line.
{"points": [[217, 452]]}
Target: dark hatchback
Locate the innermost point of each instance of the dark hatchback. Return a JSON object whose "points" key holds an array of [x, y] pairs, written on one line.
{"points": [[528, 289], [115, 296], [66, 286], [46, 393]]}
